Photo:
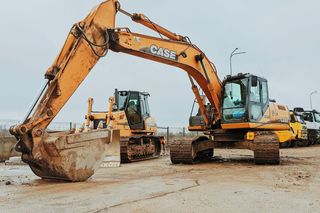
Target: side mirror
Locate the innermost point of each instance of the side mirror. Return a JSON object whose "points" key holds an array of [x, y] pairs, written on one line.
{"points": [[254, 81]]}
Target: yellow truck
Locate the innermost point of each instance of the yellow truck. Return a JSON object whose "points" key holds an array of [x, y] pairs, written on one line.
{"points": [[297, 135], [299, 128]]}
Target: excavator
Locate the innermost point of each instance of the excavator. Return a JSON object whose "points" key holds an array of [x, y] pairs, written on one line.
{"points": [[238, 114], [130, 114]]}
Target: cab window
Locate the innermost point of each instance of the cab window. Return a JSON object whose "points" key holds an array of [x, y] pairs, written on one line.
{"points": [[134, 109], [300, 119], [317, 117], [122, 101], [307, 116], [234, 100], [255, 102], [144, 105], [264, 92], [255, 93]]}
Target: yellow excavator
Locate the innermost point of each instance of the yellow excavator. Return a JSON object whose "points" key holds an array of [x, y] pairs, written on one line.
{"points": [[129, 113], [238, 114]]}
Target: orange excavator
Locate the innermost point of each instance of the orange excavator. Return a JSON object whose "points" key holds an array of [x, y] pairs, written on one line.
{"points": [[238, 112]]}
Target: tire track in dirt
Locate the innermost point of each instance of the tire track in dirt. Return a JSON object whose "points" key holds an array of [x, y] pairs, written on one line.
{"points": [[197, 184]]}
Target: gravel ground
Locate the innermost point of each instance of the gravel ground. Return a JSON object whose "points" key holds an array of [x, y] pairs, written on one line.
{"points": [[228, 183]]}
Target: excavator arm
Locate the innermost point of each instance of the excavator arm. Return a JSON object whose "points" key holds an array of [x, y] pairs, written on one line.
{"points": [[75, 156]]}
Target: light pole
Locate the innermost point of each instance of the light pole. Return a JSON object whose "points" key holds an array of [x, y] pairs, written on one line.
{"points": [[312, 93], [234, 52]]}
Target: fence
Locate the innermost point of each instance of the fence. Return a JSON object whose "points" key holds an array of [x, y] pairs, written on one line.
{"points": [[168, 132], [175, 132]]}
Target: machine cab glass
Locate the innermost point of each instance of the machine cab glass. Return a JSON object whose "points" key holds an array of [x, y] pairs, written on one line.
{"points": [[245, 98], [135, 105]]}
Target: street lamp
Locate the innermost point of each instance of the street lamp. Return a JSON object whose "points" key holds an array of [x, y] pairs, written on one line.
{"points": [[234, 52], [312, 93]]}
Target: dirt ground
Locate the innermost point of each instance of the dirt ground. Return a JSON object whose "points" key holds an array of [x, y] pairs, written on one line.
{"points": [[222, 185]]}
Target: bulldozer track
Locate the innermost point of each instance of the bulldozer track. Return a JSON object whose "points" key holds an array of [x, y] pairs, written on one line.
{"points": [[146, 151], [266, 148]]}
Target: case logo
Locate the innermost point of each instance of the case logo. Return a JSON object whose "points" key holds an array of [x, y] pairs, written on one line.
{"points": [[161, 52]]}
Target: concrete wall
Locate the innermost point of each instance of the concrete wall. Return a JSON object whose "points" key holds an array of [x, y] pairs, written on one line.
{"points": [[7, 148]]}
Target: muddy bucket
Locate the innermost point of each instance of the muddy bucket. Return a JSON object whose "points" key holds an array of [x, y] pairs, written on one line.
{"points": [[69, 157]]}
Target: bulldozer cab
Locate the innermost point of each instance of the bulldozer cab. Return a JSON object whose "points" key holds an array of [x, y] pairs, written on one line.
{"points": [[135, 104]]}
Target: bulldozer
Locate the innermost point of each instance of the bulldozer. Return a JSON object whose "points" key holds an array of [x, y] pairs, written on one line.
{"points": [[238, 114], [130, 114]]}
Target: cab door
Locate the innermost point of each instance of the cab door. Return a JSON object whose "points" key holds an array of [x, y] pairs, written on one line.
{"points": [[258, 98], [133, 111]]}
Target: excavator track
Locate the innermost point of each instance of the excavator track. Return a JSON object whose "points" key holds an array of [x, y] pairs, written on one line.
{"points": [[139, 148], [181, 151], [266, 149], [189, 151]]}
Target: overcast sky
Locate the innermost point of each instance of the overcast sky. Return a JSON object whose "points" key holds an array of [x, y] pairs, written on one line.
{"points": [[281, 38]]}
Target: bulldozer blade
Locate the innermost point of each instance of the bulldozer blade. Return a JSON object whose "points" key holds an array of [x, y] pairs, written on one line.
{"points": [[112, 157], [70, 157]]}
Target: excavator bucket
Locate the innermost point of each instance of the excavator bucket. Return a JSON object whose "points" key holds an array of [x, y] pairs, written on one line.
{"points": [[70, 157], [112, 156]]}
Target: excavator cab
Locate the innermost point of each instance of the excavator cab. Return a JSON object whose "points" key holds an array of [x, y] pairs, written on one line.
{"points": [[245, 98], [135, 104]]}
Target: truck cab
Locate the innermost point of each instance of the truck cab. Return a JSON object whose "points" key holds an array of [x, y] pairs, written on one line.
{"points": [[299, 128], [312, 120]]}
